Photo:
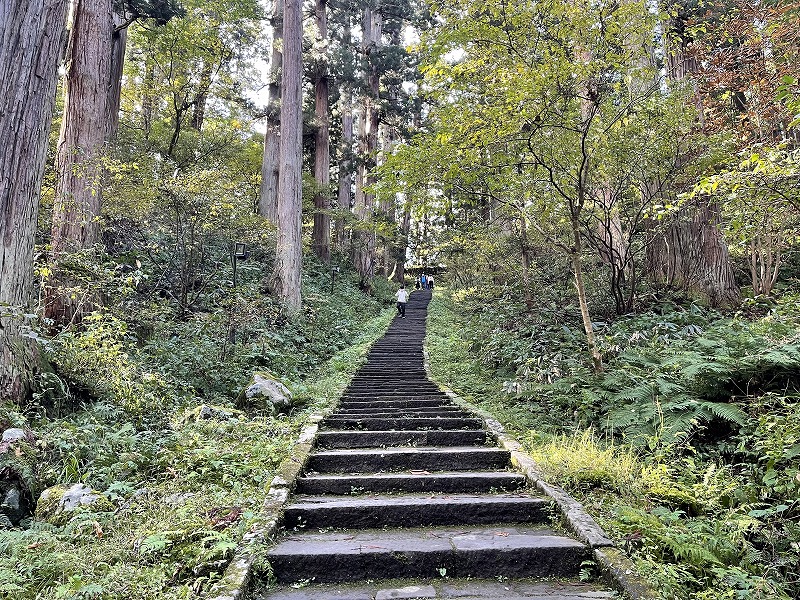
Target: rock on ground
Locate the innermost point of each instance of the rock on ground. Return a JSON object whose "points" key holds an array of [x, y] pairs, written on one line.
{"points": [[264, 392]]}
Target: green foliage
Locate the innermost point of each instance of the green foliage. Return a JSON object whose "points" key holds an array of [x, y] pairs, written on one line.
{"points": [[184, 491], [698, 476]]}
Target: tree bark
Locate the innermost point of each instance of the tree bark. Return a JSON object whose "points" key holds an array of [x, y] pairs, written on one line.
{"points": [[268, 193], [288, 254], [119, 42], [147, 96], [368, 130], [321, 234], [345, 167], [31, 45], [84, 130], [580, 288], [691, 255], [199, 111]]}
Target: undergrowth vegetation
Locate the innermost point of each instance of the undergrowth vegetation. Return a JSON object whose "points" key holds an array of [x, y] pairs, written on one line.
{"points": [[686, 448], [120, 416]]}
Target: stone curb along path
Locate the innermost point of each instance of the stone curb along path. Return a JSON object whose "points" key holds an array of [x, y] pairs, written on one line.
{"points": [[403, 482], [615, 564], [237, 580]]}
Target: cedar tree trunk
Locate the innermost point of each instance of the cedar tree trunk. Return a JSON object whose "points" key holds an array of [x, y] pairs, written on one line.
{"points": [[31, 45], [84, 128], [289, 251], [321, 235], [268, 194]]}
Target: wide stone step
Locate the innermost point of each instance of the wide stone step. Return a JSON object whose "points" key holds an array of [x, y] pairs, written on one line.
{"points": [[372, 408], [398, 393], [392, 372], [456, 458], [457, 552], [419, 480], [409, 413], [399, 403], [409, 384], [444, 589], [373, 512], [391, 397], [395, 423], [372, 378], [377, 439]]}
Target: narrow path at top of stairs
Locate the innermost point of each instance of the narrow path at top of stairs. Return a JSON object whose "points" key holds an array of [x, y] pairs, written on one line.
{"points": [[406, 495]]}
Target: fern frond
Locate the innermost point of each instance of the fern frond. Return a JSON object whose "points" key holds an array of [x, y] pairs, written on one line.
{"points": [[727, 412]]}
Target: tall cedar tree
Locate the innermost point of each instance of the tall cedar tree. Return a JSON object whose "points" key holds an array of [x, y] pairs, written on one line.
{"points": [[84, 129], [31, 40], [289, 251], [690, 253], [321, 234], [268, 194]]}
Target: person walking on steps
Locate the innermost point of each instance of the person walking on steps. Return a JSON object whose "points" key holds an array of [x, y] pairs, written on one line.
{"points": [[424, 281], [402, 298], [430, 282]]}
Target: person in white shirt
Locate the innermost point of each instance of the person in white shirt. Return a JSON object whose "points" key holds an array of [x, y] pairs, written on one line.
{"points": [[402, 298]]}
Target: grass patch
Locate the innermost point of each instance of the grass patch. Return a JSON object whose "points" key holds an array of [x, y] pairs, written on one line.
{"points": [[184, 494], [700, 482]]}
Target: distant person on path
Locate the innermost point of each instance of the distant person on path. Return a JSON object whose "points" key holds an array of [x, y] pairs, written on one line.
{"points": [[416, 283], [424, 281], [430, 282], [402, 298]]}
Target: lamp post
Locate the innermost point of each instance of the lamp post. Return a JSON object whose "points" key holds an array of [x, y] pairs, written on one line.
{"points": [[334, 271], [240, 252]]}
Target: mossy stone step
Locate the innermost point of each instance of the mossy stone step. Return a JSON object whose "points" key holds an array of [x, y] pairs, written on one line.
{"points": [[411, 481], [400, 423], [444, 589], [370, 512], [378, 439], [458, 552], [372, 460]]}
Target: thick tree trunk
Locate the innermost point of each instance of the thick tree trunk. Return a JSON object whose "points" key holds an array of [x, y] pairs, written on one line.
{"points": [[321, 234], [345, 167], [400, 258], [691, 255], [119, 42], [199, 111], [84, 128], [31, 43], [289, 251], [368, 130], [268, 194]]}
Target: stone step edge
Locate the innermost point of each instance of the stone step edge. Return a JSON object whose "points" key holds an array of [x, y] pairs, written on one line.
{"points": [[237, 580], [616, 566]]}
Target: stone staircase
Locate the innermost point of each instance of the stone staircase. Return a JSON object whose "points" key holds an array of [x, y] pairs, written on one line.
{"points": [[406, 495]]}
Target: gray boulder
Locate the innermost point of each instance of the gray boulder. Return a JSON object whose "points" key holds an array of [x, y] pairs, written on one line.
{"points": [[18, 482], [264, 392], [14, 504], [205, 412], [13, 435], [57, 503]]}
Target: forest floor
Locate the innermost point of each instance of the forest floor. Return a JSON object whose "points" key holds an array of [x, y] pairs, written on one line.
{"points": [[184, 489], [684, 450]]}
